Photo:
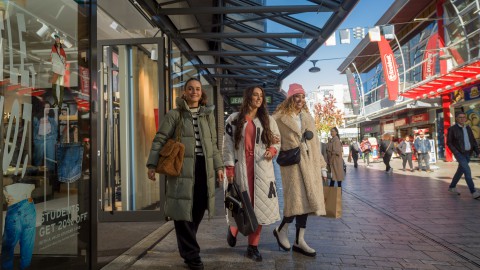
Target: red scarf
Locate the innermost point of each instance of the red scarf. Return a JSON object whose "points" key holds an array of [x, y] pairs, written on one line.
{"points": [[62, 52]]}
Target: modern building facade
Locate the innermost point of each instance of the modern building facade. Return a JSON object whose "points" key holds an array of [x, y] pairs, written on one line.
{"points": [[78, 120], [435, 45]]}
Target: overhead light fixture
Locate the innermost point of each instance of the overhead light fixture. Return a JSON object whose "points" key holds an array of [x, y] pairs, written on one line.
{"points": [[154, 53], [115, 26], [67, 43], [314, 69], [43, 30]]}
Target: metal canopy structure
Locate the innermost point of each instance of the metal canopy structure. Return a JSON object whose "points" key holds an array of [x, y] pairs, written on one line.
{"points": [[247, 42]]}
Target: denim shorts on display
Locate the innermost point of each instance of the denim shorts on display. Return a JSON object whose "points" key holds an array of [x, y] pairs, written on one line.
{"points": [[69, 162]]}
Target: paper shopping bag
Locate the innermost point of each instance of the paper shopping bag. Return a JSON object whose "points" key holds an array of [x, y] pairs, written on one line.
{"points": [[333, 201]]}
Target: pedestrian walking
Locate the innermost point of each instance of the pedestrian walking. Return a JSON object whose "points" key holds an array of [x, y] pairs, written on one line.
{"points": [[354, 152], [193, 192], [251, 141], [462, 143], [335, 160], [302, 186], [423, 147], [366, 148], [406, 149], [386, 151]]}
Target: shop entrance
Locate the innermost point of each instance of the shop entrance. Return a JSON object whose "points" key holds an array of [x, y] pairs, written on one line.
{"points": [[131, 96]]}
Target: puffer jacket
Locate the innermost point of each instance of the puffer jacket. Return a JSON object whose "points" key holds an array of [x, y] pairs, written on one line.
{"points": [[265, 191], [179, 190]]}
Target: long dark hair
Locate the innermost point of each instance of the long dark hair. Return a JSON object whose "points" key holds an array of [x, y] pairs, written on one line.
{"points": [[262, 114], [336, 130], [203, 99]]}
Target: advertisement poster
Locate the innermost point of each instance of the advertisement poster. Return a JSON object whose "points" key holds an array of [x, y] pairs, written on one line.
{"points": [[433, 153]]}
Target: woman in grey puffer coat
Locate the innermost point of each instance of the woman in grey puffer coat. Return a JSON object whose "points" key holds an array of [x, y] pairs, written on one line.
{"points": [[193, 192]]}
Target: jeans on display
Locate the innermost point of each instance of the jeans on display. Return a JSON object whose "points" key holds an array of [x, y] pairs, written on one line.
{"points": [[423, 158], [19, 227], [69, 162], [463, 168], [44, 148]]}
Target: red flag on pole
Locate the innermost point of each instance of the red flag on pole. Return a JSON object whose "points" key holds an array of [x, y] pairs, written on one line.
{"points": [[430, 57], [390, 71]]}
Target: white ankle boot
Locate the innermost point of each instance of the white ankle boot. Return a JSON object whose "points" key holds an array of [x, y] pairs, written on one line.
{"points": [[301, 246], [282, 237]]}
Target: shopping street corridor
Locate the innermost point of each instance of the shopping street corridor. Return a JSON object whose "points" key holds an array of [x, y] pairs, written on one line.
{"points": [[402, 220]]}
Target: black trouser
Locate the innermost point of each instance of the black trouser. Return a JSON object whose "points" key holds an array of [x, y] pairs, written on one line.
{"points": [[186, 231], [355, 159], [386, 160], [332, 183], [407, 157], [301, 221]]}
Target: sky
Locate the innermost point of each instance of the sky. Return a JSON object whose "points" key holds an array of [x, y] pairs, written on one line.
{"points": [[329, 73]]}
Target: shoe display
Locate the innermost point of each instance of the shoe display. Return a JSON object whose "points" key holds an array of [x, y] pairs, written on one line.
{"points": [[253, 253], [231, 240], [476, 194], [195, 264], [454, 191]]}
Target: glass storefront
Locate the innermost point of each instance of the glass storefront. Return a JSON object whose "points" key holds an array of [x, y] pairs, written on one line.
{"points": [[45, 126]]}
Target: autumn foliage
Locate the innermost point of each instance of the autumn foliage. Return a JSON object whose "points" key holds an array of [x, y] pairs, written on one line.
{"points": [[327, 115]]}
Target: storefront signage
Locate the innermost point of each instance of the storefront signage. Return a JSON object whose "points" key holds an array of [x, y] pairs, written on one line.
{"points": [[420, 118], [84, 80], [239, 100], [469, 93], [429, 57], [367, 129], [352, 87], [389, 65], [401, 122]]}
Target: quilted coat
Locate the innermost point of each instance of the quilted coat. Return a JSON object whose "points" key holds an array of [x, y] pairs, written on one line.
{"points": [[302, 183], [179, 190], [265, 197]]}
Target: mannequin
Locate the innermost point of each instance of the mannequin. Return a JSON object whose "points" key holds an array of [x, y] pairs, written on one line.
{"points": [[20, 224], [59, 64]]}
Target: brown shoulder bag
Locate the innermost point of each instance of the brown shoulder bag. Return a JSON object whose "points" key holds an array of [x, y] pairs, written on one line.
{"points": [[172, 153]]}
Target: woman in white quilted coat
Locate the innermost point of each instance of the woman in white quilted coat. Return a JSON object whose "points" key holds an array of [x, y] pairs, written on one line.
{"points": [[251, 141], [302, 184]]}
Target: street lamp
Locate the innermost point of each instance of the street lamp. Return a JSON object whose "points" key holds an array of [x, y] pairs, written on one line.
{"points": [[314, 69]]}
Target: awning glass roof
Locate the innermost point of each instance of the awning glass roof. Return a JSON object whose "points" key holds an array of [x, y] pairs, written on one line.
{"points": [[247, 42]]}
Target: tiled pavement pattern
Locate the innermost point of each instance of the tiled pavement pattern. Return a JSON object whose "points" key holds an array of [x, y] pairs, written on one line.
{"points": [[402, 220]]}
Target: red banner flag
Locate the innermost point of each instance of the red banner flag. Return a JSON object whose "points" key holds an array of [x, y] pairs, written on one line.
{"points": [[430, 57], [390, 71]]}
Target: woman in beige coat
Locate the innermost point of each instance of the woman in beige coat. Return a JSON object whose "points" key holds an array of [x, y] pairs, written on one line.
{"points": [[302, 186], [335, 160]]}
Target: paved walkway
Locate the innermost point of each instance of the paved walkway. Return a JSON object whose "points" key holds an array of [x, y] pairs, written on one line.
{"points": [[402, 220]]}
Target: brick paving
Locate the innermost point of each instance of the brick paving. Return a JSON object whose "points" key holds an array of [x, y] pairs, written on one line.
{"points": [[402, 220]]}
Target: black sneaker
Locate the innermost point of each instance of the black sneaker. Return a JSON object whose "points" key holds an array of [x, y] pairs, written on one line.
{"points": [[253, 253], [195, 264]]}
